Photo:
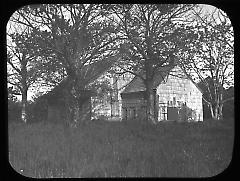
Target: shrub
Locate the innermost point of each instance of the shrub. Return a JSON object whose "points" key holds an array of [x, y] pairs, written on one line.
{"points": [[14, 111], [37, 110]]}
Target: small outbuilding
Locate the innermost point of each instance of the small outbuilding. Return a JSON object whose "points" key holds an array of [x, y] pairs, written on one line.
{"points": [[58, 108]]}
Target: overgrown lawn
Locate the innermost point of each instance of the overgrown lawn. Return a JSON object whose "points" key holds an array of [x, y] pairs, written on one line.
{"points": [[121, 149]]}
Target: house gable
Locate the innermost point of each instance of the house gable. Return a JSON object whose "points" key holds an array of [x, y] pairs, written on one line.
{"points": [[137, 84], [176, 86], [173, 90], [160, 78]]}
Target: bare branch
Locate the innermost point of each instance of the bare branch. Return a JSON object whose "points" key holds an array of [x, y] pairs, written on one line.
{"points": [[131, 72], [13, 66], [16, 84]]}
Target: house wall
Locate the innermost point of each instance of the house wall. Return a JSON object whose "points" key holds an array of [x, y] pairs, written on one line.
{"points": [[133, 108], [111, 103], [85, 110], [121, 82], [134, 105], [175, 91], [100, 106], [195, 101]]}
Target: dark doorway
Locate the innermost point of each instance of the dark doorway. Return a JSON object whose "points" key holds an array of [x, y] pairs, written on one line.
{"points": [[172, 113]]}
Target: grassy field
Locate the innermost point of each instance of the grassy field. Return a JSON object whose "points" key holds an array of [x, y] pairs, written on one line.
{"points": [[121, 149]]}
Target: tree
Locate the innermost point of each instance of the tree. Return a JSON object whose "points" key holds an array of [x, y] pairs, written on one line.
{"points": [[23, 70], [149, 32], [207, 57], [78, 37], [228, 108]]}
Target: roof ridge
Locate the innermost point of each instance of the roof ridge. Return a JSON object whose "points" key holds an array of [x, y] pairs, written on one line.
{"points": [[156, 76]]}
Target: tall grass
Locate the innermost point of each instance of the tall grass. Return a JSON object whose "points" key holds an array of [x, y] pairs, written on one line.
{"points": [[120, 149]]}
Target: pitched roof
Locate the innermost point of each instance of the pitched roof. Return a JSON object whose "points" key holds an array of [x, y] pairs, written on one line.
{"points": [[91, 72], [88, 74], [137, 84]]}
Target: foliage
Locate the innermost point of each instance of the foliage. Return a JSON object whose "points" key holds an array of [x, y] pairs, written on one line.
{"points": [[206, 56], [74, 41], [228, 108], [187, 114], [37, 110], [14, 110], [12, 93], [149, 44], [149, 35], [72, 35], [23, 69], [22, 62], [81, 41]]}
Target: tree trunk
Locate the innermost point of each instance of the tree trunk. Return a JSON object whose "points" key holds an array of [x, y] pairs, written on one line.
{"points": [[74, 114], [218, 107], [212, 111], [68, 99], [220, 111], [216, 111], [220, 104], [24, 104], [150, 103], [24, 89]]}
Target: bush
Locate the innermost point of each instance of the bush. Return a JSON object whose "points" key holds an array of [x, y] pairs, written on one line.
{"points": [[228, 109], [37, 110], [14, 111]]}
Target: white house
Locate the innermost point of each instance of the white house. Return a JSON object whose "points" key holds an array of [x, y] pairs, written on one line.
{"points": [[174, 92]]}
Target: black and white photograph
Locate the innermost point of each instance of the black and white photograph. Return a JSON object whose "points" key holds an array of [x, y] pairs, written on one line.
{"points": [[120, 90]]}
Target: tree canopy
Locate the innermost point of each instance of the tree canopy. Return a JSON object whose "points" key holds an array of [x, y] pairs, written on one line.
{"points": [[52, 42]]}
